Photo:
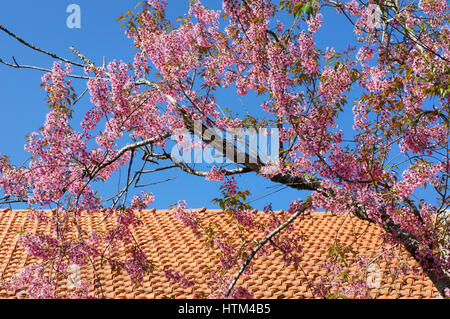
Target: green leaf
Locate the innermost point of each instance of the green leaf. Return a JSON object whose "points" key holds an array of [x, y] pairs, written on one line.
{"points": [[304, 7]]}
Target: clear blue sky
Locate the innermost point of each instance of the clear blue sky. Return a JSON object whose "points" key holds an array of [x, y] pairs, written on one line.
{"points": [[23, 108]]}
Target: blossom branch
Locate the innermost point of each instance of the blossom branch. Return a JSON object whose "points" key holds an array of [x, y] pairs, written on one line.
{"points": [[266, 239], [20, 66]]}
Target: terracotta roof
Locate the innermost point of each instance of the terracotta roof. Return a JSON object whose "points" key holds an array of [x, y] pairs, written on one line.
{"points": [[166, 241]]}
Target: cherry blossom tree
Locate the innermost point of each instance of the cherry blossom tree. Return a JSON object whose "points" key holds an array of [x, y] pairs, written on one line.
{"points": [[399, 142]]}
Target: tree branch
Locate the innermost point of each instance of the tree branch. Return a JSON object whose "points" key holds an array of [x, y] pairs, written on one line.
{"points": [[20, 66], [53, 55], [266, 239], [127, 148]]}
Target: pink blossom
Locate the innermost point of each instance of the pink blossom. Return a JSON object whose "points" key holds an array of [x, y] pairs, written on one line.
{"points": [[246, 218], [40, 245], [188, 218], [238, 292], [228, 251], [353, 7], [33, 283], [315, 22], [365, 54], [216, 174], [177, 277], [447, 292], [142, 201], [137, 265], [433, 7], [230, 186]]}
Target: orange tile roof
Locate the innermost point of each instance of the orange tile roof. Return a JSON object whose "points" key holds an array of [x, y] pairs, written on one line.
{"points": [[166, 241]]}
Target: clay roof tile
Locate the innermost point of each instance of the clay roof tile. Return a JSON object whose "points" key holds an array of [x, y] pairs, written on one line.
{"points": [[167, 242]]}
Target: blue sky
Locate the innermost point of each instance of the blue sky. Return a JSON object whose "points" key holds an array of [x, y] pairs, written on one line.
{"points": [[23, 108]]}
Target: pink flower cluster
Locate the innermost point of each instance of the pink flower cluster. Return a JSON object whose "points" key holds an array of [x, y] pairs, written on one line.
{"points": [[227, 251], [238, 292], [216, 174], [271, 168], [137, 265], [188, 218], [334, 83], [289, 242], [339, 282], [55, 85], [246, 218], [433, 7], [177, 277], [142, 201], [306, 49], [414, 177], [353, 7], [341, 203], [315, 22], [124, 221], [40, 245], [230, 186], [157, 4], [32, 283], [365, 54], [203, 15], [79, 252]]}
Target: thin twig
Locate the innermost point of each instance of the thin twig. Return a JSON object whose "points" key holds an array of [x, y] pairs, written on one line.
{"points": [[53, 55], [20, 66], [266, 239]]}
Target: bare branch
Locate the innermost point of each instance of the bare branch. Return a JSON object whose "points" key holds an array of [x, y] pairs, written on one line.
{"points": [[127, 148], [20, 66], [266, 239], [82, 57], [53, 55], [187, 169]]}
